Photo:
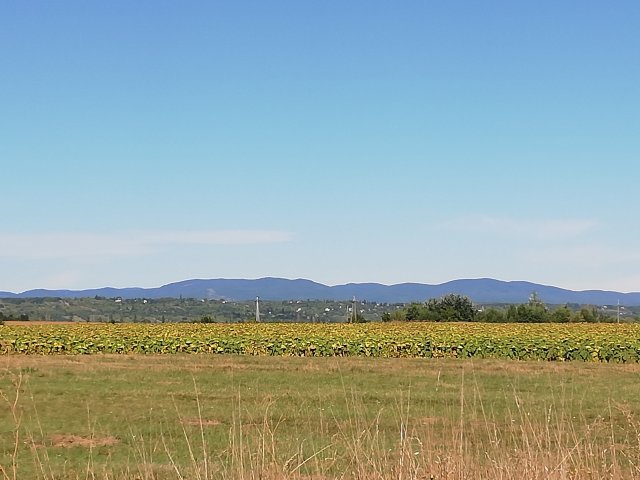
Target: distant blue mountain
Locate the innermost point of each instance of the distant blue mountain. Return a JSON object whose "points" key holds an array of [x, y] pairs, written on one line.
{"points": [[481, 290]]}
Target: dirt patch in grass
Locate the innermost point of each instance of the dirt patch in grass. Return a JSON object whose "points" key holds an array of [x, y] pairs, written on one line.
{"points": [[64, 440], [429, 420], [205, 422]]}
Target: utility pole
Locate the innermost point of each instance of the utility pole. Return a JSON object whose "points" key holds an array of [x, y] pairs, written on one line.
{"points": [[354, 315], [618, 310], [257, 309]]}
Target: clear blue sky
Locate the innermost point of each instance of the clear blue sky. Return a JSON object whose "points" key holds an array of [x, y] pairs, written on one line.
{"points": [[385, 141]]}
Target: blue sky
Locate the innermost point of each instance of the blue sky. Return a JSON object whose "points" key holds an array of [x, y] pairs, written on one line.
{"points": [[409, 141]]}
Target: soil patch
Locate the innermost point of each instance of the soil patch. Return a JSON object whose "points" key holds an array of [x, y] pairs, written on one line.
{"points": [[429, 420], [210, 422], [69, 441]]}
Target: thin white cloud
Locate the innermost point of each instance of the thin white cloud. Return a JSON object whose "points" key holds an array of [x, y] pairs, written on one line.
{"points": [[219, 237], [75, 245], [546, 228]]}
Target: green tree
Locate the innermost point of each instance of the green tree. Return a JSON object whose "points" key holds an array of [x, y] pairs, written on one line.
{"points": [[534, 311], [531, 314], [413, 313], [398, 315], [590, 314], [536, 301], [358, 318], [451, 308], [491, 315], [561, 315]]}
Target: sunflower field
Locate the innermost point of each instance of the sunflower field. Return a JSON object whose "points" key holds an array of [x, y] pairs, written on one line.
{"points": [[554, 342]]}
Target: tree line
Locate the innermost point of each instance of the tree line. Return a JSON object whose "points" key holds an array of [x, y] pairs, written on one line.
{"points": [[13, 316], [459, 308]]}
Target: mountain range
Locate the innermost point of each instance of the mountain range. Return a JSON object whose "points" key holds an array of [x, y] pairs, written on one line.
{"points": [[480, 290]]}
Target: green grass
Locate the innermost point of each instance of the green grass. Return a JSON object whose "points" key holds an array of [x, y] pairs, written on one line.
{"points": [[200, 416]]}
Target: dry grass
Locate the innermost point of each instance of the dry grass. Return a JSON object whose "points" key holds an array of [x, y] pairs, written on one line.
{"points": [[69, 441], [202, 417]]}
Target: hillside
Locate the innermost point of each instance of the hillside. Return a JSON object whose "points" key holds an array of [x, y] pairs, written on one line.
{"points": [[482, 290]]}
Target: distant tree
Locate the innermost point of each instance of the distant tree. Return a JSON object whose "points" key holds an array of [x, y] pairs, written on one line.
{"points": [[534, 311], [561, 315], [357, 317], [532, 314], [413, 313], [590, 314], [451, 308], [526, 313], [512, 314], [536, 301], [394, 316], [491, 315]]}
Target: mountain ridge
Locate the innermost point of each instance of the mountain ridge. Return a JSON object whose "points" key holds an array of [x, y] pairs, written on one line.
{"points": [[480, 290]]}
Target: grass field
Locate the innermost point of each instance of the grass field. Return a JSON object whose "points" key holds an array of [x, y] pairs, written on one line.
{"points": [[224, 416]]}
